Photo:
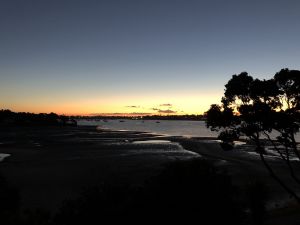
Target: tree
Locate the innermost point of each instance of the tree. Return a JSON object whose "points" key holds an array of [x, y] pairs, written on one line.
{"points": [[254, 108]]}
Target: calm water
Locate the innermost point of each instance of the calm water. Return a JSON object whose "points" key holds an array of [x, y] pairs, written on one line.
{"points": [[164, 127]]}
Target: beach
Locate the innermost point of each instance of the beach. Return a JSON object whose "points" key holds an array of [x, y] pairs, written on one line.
{"points": [[51, 164]]}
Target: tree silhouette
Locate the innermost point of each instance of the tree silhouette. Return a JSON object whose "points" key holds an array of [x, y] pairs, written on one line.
{"points": [[254, 108], [8, 118]]}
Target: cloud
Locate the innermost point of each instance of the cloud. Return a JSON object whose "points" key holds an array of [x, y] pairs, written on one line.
{"points": [[166, 105], [166, 111], [163, 109], [139, 113], [132, 106]]}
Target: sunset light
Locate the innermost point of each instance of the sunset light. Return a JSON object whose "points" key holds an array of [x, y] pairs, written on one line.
{"points": [[150, 112]]}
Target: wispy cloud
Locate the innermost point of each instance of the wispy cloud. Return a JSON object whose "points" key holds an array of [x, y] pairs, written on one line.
{"points": [[166, 111], [139, 113], [166, 105], [165, 108], [162, 109], [132, 106]]}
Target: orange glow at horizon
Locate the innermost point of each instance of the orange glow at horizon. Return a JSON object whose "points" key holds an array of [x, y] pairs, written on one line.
{"points": [[179, 104]]}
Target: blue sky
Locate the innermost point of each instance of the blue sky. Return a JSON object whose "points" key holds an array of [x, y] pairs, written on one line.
{"points": [[101, 56]]}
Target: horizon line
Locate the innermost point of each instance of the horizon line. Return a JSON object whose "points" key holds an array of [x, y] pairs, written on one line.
{"points": [[133, 114]]}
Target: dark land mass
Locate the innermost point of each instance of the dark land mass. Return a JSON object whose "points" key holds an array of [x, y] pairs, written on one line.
{"points": [[49, 164], [148, 117], [9, 118]]}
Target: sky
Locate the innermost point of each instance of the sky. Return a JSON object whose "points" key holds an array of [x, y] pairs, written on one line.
{"points": [[138, 56]]}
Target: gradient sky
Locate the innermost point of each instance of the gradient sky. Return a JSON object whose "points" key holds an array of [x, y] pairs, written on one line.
{"points": [[93, 56]]}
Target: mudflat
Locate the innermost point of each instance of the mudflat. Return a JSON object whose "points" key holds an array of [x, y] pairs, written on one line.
{"points": [[50, 164]]}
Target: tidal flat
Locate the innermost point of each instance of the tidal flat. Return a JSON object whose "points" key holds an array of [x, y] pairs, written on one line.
{"points": [[48, 165]]}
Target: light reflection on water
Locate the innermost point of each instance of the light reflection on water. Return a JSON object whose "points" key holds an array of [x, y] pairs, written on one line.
{"points": [[3, 156], [164, 127], [152, 142]]}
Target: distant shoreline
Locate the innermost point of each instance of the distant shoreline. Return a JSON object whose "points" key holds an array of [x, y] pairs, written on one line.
{"points": [[153, 117]]}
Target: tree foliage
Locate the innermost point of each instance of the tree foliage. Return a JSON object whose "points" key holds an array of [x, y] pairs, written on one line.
{"points": [[254, 108]]}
